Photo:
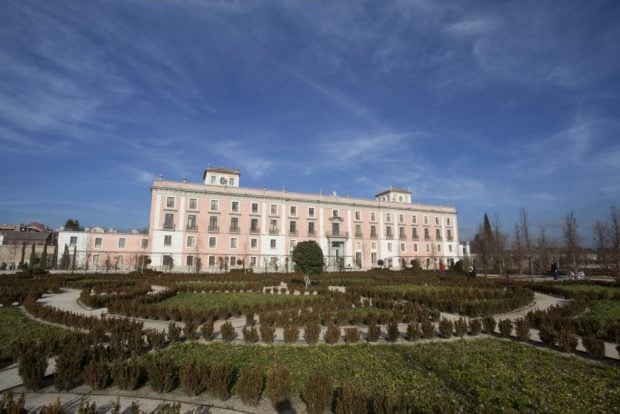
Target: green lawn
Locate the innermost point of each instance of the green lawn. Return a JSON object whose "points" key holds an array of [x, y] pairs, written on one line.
{"points": [[486, 375], [214, 301], [14, 326]]}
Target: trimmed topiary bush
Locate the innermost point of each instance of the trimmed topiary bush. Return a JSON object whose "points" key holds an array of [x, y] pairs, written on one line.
{"points": [[312, 332], [227, 331], [207, 330], [250, 385], [428, 329], [351, 335], [317, 392], [250, 334], [547, 333], [290, 333], [97, 371], [220, 381], [595, 346], [126, 374], [267, 333], [279, 386], [190, 330], [192, 377], [332, 334], [460, 327], [522, 328], [350, 399], [489, 324], [567, 340], [445, 328], [414, 332], [505, 327], [32, 362], [392, 332], [374, 331], [162, 373], [174, 333], [475, 327]]}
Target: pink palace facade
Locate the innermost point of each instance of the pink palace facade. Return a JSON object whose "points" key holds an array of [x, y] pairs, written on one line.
{"points": [[218, 225]]}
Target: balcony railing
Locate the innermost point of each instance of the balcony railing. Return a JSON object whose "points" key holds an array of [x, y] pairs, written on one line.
{"points": [[213, 229], [168, 226], [292, 232], [274, 231], [341, 234], [389, 236], [427, 238], [312, 233], [450, 238], [191, 227], [234, 230], [254, 230], [415, 237], [373, 235], [402, 237], [358, 234]]}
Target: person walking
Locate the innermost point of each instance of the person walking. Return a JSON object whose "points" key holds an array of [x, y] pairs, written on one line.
{"points": [[554, 270], [442, 268]]}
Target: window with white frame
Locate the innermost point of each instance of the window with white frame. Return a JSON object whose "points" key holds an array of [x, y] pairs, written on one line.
{"points": [[389, 246], [168, 241], [170, 202], [436, 221], [212, 242], [95, 260], [215, 205], [334, 213], [428, 248], [253, 243], [414, 219], [373, 258], [231, 181], [272, 243], [233, 242], [373, 216], [122, 242], [402, 247], [439, 247], [310, 211], [401, 218], [358, 215], [254, 208], [213, 179], [73, 241], [373, 246], [450, 248], [293, 210], [98, 242], [145, 243], [211, 261], [415, 247], [193, 204], [233, 261], [253, 261], [426, 220], [190, 241], [448, 221], [388, 217], [274, 209], [189, 261], [234, 206]]}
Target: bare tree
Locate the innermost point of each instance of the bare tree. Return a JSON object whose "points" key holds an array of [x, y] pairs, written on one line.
{"points": [[572, 239], [601, 241], [614, 236], [499, 244], [525, 235], [543, 250], [518, 249]]}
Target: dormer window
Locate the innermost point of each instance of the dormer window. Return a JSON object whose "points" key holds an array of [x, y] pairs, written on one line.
{"points": [[213, 179]]}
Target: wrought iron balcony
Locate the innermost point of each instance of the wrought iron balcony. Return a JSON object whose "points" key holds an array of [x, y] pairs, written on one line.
{"points": [[274, 231], [213, 229], [402, 237], [358, 234], [373, 235], [389, 236], [191, 227], [254, 230], [312, 233], [292, 232], [168, 226], [236, 230]]}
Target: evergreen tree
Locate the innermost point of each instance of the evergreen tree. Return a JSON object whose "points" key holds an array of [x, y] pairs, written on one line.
{"points": [[43, 260], [484, 242], [33, 258], [55, 257], [73, 258], [64, 260], [21, 261], [308, 259]]}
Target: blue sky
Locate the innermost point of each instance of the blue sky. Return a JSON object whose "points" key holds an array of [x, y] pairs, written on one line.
{"points": [[488, 106]]}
